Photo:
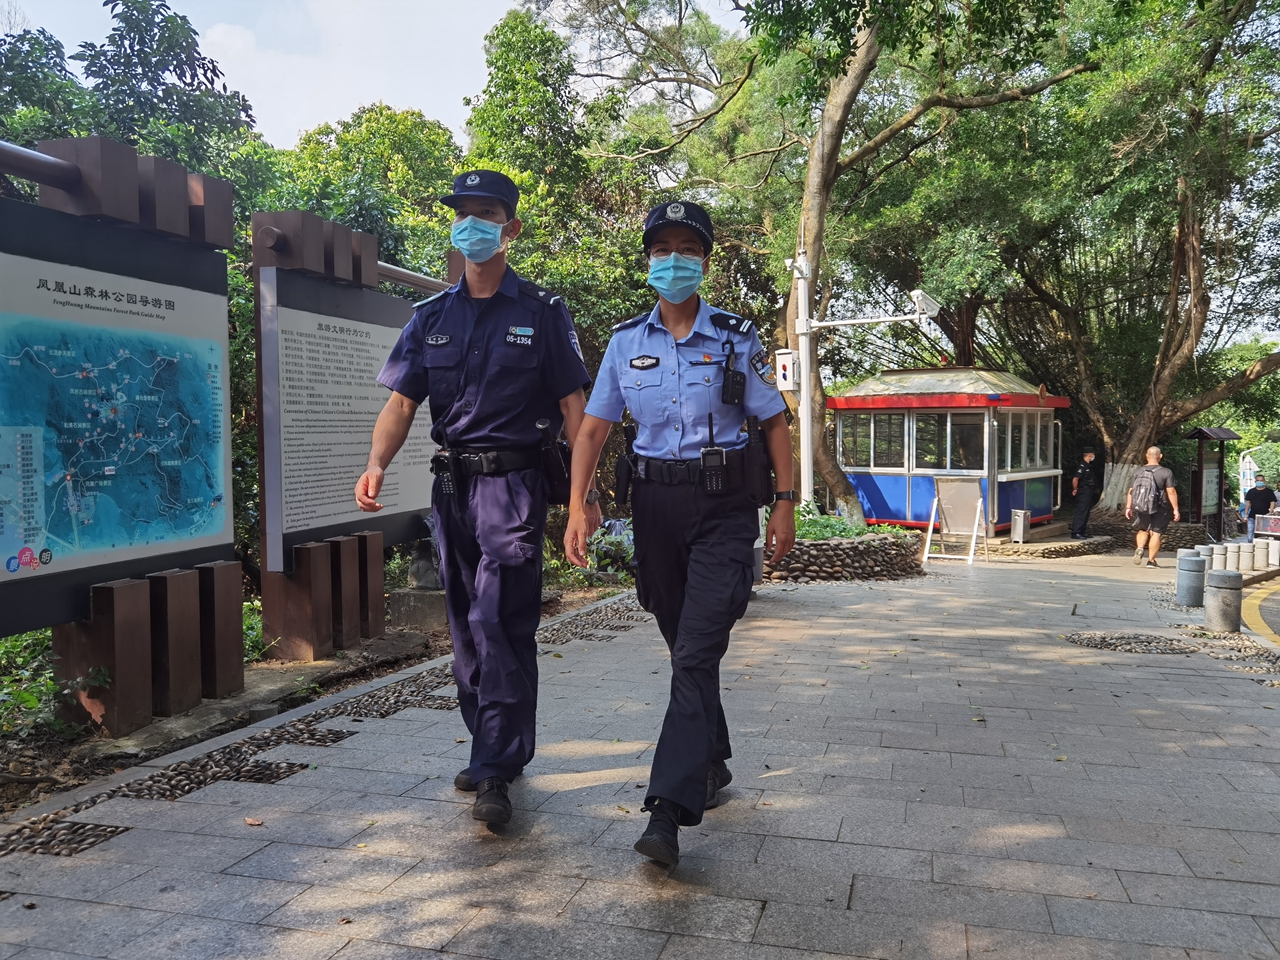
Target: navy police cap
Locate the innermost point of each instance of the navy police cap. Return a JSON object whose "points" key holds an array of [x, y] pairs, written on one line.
{"points": [[484, 183], [680, 213]]}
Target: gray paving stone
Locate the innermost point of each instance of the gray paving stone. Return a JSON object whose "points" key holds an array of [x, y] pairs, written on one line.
{"points": [[381, 808], [1256, 899], [760, 881], [699, 841], [198, 938], [216, 895], [850, 858], [670, 908], [94, 928], [960, 903], [35, 953], [286, 826], [1162, 926], [332, 779], [503, 885], [1242, 866], [998, 944], [501, 935], [374, 950], [1023, 875], [356, 869], [1153, 834], [277, 796], [152, 814], [71, 879], [170, 849], [375, 916], [860, 933]]}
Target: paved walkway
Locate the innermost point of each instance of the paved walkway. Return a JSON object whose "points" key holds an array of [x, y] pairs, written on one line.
{"points": [[923, 769]]}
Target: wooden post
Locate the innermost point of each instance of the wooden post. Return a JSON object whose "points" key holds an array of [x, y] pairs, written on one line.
{"points": [[162, 197], [175, 641], [338, 252], [344, 566], [298, 608], [373, 599], [221, 629], [108, 184], [364, 259], [209, 203], [117, 638]]}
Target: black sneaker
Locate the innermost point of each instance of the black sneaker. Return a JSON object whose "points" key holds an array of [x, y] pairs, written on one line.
{"points": [[661, 839], [718, 777], [492, 804], [1152, 563]]}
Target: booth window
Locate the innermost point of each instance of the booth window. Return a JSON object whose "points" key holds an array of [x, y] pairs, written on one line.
{"points": [[1044, 450], [890, 441], [967, 447], [931, 441], [855, 429], [1002, 440], [1015, 440]]}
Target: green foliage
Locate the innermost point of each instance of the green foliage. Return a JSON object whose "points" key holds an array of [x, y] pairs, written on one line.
{"points": [[812, 525], [31, 699], [255, 643], [612, 552]]}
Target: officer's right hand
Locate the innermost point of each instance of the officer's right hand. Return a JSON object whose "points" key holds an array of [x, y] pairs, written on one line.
{"points": [[575, 538], [367, 488]]}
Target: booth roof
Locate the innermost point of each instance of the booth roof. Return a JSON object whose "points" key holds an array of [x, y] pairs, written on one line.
{"points": [[945, 387]]}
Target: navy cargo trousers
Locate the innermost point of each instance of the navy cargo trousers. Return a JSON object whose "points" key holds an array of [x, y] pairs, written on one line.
{"points": [[490, 535], [695, 564]]}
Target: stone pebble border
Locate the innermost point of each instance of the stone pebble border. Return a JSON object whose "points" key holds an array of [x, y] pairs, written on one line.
{"points": [[875, 557], [1245, 653]]}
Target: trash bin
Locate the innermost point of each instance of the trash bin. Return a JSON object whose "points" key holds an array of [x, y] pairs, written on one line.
{"points": [[1020, 525]]}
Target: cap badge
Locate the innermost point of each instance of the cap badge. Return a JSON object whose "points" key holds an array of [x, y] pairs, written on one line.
{"points": [[675, 211], [473, 179]]}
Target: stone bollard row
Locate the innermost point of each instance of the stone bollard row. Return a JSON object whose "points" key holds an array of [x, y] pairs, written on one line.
{"points": [[1222, 594]]}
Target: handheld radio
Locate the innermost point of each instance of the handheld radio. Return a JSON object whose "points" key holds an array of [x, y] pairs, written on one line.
{"points": [[713, 463]]}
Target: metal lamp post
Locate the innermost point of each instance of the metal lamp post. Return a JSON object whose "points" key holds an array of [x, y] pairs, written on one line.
{"points": [[926, 308]]}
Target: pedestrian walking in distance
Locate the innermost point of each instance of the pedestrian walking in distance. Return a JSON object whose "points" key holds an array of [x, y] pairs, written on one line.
{"points": [[1258, 501], [1152, 502], [708, 423], [493, 355], [1084, 487]]}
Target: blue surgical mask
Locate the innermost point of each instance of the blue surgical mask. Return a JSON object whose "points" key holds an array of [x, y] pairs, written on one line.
{"points": [[479, 240], [1260, 484], [675, 276]]}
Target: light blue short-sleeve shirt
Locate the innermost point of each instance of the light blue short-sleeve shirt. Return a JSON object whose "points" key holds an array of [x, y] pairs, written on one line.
{"points": [[670, 385]]}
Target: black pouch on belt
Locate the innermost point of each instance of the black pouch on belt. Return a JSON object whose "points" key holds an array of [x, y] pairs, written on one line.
{"points": [[555, 464], [625, 467], [759, 477]]}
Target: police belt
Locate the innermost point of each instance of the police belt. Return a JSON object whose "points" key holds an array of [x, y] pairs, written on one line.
{"points": [[470, 462], [690, 471]]}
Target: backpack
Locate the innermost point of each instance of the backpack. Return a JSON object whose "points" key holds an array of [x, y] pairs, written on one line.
{"points": [[1147, 497]]}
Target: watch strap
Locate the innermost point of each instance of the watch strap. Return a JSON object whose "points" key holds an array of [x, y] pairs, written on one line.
{"points": [[786, 495]]}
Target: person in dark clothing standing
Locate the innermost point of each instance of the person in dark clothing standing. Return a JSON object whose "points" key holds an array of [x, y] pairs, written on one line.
{"points": [[1258, 501], [1084, 487]]}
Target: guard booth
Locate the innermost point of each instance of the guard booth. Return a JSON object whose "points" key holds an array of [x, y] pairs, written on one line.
{"points": [[901, 431]]}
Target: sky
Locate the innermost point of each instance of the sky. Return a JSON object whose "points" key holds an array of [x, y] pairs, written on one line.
{"points": [[304, 62]]}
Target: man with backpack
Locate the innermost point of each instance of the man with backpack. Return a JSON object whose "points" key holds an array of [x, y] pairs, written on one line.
{"points": [[1154, 502]]}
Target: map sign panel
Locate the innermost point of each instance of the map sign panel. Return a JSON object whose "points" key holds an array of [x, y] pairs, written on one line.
{"points": [[114, 400]]}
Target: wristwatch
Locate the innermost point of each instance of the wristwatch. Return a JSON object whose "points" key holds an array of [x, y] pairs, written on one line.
{"points": [[786, 495], [593, 495]]}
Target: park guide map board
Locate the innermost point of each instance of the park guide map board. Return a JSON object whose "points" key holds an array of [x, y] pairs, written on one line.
{"points": [[115, 458], [323, 345]]}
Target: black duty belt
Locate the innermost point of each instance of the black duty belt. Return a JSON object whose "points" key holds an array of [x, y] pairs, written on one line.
{"points": [[470, 462], [687, 471]]}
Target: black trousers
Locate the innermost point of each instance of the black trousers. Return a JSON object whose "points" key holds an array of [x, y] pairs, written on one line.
{"points": [[1084, 506], [694, 568]]}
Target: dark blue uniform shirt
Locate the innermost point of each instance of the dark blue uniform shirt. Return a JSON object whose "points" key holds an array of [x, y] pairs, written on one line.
{"points": [[671, 385], [491, 369]]}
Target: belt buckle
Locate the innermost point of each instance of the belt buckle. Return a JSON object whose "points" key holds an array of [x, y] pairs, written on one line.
{"points": [[642, 468]]}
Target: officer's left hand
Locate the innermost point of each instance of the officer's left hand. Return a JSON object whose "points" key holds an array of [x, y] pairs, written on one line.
{"points": [[780, 534], [594, 516]]}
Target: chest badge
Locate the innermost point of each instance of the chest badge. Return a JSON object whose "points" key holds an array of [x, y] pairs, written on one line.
{"points": [[437, 339], [644, 362], [520, 335], [763, 368]]}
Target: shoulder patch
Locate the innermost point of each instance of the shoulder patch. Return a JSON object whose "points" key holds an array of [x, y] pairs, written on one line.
{"points": [[434, 296], [538, 293], [764, 369], [731, 322], [629, 323]]}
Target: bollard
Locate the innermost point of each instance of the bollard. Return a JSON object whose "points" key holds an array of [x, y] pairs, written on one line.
{"points": [[1219, 557], [1222, 589], [1273, 550], [1191, 571], [1246, 558], [1233, 556]]}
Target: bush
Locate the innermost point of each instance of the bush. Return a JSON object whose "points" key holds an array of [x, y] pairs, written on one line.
{"points": [[30, 696], [812, 525], [255, 645]]}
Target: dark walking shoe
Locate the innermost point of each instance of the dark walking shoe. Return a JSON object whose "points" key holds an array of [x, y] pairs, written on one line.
{"points": [[1137, 555], [661, 839], [718, 777], [1152, 563], [492, 804], [464, 782]]}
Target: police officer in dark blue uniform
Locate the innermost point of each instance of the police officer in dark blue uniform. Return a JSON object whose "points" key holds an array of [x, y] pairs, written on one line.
{"points": [[494, 355], [696, 381], [1085, 488]]}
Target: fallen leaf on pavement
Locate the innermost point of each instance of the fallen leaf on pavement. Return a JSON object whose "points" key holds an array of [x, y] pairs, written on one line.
{"points": [[1063, 757], [251, 821]]}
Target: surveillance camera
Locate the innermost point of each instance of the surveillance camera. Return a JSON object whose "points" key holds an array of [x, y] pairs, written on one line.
{"points": [[925, 304], [790, 262]]}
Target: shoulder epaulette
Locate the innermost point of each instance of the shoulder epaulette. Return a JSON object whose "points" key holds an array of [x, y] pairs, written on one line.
{"points": [[731, 322], [629, 323], [539, 293], [434, 296]]}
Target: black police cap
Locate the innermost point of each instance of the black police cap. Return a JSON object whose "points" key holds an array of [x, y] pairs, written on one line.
{"points": [[680, 213], [484, 183], [1089, 450]]}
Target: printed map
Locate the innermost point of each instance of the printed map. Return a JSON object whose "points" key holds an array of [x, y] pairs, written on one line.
{"points": [[109, 438]]}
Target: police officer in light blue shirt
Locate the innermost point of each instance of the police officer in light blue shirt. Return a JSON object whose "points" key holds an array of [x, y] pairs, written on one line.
{"points": [[693, 378]]}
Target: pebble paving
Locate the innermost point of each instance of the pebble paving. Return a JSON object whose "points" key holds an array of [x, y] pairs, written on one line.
{"points": [[981, 762]]}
